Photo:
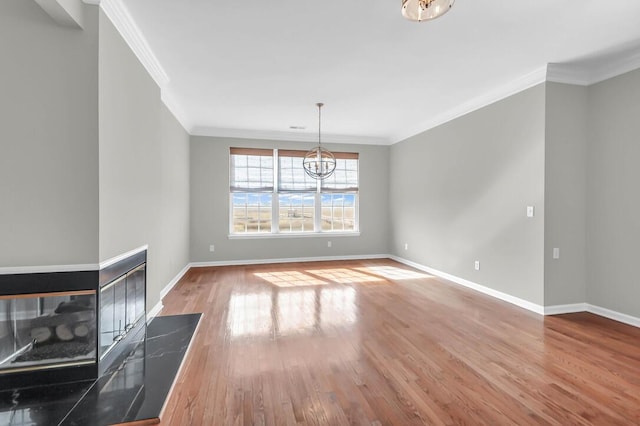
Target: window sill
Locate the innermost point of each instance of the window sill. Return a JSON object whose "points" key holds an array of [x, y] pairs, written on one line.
{"points": [[293, 235]]}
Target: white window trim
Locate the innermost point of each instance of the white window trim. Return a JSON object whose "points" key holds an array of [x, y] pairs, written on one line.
{"points": [[256, 236]]}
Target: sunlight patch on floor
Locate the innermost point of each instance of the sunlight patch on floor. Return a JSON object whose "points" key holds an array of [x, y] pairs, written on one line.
{"points": [[344, 275], [290, 311], [250, 314], [289, 279], [393, 273]]}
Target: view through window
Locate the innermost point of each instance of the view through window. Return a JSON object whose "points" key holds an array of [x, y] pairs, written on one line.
{"points": [[270, 193]]}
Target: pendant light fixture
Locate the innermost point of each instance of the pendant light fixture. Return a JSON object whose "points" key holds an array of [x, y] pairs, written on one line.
{"points": [[425, 10], [319, 163]]}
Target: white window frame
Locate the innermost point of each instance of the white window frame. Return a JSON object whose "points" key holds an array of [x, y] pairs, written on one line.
{"points": [[275, 210]]}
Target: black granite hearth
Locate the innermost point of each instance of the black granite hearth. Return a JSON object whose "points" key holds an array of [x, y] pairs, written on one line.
{"points": [[42, 405], [135, 391]]}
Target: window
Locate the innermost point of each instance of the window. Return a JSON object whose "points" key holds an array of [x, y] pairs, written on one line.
{"points": [[251, 183], [270, 193]]}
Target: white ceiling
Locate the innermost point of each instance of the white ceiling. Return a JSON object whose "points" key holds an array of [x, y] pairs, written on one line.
{"points": [[254, 68]]}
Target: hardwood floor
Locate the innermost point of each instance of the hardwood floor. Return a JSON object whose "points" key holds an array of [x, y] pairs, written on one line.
{"points": [[378, 343]]}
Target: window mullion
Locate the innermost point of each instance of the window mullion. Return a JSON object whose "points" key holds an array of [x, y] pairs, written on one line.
{"points": [[333, 211], [317, 223], [356, 208], [275, 200], [231, 229], [246, 213]]}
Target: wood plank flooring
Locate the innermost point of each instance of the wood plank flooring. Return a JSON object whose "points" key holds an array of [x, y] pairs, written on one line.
{"points": [[378, 343]]}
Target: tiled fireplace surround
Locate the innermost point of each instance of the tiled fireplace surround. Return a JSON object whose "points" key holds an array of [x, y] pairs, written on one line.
{"points": [[67, 326], [75, 347]]}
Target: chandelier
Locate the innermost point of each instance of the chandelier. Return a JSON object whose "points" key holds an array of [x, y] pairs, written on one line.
{"points": [[424, 10], [319, 163]]}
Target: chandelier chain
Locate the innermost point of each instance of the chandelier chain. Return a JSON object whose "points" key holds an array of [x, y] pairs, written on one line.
{"points": [[319, 105]]}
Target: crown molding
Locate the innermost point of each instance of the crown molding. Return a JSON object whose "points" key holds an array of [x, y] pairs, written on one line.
{"points": [[616, 67], [130, 32], [584, 74], [117, 12], [588, 74], [567, 74], [176, 108], [67, 13], [511, 88], [286, 136]]}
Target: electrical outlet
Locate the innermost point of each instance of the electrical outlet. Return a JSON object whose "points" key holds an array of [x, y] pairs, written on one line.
{"points": [[406, 246], [212, 248], [328, 243], [530, 211], [476, 265]]}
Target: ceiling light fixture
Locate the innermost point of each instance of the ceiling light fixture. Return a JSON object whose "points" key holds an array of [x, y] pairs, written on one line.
{"points": [[425, 10], [319, 163]]}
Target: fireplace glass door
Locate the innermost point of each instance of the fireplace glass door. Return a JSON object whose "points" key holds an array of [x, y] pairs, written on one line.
{"points": [[46, 330], [122, 305]]}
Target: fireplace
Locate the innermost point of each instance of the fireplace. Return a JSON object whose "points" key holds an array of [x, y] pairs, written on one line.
{"points": [[70, 326]]}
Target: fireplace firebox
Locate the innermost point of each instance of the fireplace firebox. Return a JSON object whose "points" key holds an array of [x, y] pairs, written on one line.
{"points": [[41, 330]]}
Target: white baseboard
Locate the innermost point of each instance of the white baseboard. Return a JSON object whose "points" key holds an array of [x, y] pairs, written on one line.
{"points": [[158, 306], [154, 311], [597, 310], [538, 309], [174, 281], [566, 309], [288, 260], [616, 316], [541, 310]]}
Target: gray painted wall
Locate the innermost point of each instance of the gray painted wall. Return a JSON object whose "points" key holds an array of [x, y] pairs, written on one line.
{"points": [[613, 196], [459, 192], [144, 166], [565, 194], [49, 138], [210, 206]]}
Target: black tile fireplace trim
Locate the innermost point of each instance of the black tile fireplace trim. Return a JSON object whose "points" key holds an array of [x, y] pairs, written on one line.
{"points": [[116, 270], [47, 282], [31, 379]]}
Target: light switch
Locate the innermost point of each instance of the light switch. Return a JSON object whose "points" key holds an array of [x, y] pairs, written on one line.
{"points": [[530, 211], [476, 265], [556, 253]]}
